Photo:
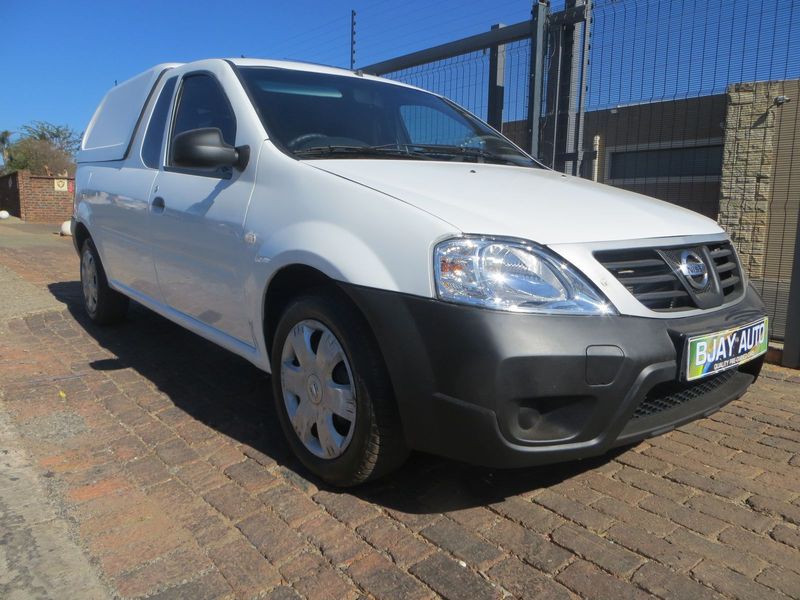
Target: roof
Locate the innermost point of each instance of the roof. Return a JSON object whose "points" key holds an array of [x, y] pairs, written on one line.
{"points": [[297, 65], [113, 125]]}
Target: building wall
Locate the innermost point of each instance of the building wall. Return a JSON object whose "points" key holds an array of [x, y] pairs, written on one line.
{"points": [[658, 126], [517, 132], [652, 126], [784, 210], [35, 198]]}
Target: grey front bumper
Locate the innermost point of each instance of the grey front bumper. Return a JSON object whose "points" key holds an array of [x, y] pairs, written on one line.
{"points": [[509, 390]]}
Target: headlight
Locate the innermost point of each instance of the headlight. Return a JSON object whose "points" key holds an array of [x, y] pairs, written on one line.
{"points": [[512, 275]]}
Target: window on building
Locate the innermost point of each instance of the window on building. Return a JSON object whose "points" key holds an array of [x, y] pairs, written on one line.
{"points": [[692, 161]]}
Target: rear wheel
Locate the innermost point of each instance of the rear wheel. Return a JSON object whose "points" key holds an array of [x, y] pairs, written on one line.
{"points": [[332, 393], [102, 304]]}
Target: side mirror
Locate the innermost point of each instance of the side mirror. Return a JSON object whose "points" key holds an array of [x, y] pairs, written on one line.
{"points": [[206, 148]]}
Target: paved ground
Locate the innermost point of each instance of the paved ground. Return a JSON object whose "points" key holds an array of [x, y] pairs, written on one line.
{"points": [[161, 473]]}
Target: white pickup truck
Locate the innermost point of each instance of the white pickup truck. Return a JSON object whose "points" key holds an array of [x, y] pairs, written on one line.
{"points": [[409, 276]]}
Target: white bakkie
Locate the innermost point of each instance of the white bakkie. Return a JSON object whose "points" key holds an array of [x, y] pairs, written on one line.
{"points": [[411, 278]]}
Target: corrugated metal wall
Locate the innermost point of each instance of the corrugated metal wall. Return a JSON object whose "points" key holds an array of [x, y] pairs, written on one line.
{"points": [[784, 206]]}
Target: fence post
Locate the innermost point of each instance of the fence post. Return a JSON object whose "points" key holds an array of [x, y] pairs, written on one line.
{"points": [[582, 87], [539, 17], [575, 78], [497, 72], [352, 40], [791, 339]]}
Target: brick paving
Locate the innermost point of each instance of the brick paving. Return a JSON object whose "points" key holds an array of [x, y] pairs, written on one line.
{"points": [[162, 453]]}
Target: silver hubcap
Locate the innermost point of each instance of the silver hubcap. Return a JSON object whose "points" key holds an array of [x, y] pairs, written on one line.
{"points": [[89, 281], [318, 390]]}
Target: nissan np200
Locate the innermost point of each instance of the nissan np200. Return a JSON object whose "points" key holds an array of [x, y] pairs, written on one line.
{"points": [[409, 276]]}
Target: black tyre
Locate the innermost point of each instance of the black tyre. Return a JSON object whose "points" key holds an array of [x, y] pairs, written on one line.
{"points": [[103, 305], [332, 393]]}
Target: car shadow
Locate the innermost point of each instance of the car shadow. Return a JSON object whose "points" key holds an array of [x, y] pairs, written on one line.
{"points": [[233, 397]]}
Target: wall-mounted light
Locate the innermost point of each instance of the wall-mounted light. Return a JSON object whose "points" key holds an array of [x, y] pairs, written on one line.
{"points": [[780, 100]]}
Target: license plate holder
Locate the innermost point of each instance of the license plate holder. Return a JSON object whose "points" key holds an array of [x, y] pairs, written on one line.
{"points": [[710, 353]]}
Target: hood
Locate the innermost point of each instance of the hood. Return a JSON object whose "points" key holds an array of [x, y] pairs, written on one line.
{"points": [[534, 204]]}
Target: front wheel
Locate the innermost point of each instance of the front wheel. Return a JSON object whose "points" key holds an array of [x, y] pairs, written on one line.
{"points": [[103, 304], [332, 393]]}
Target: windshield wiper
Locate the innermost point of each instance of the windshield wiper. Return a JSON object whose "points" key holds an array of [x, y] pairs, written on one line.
{"points": [[392, 151], [412, 151], [465, 151]]}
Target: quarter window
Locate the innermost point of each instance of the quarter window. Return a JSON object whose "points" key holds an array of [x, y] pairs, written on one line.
{"points": [[203, 104], [154, 138]]}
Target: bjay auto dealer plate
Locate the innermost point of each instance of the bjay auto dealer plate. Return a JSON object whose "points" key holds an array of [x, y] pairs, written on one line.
{"points": [[715, 352]]}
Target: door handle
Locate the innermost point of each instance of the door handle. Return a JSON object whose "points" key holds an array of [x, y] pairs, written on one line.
{"points": [[158, 205]]}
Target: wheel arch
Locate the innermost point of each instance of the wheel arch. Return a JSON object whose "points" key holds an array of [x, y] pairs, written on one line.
{"points": [[289, 282], [331, 257], [80, 235], [335, 305], [292, 281]]}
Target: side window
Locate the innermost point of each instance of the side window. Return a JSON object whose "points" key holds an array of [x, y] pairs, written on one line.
{"points": [[426, 125], [154, 138], [202, 103]]}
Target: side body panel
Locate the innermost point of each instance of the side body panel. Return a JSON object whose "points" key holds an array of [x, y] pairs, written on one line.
{"points": [[198, 239], [300, 214], [117, 200], [112, 201]]}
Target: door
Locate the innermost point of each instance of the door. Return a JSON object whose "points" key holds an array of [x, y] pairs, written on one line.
{"points": [[120, 211], [197, 217], [118, 197]]}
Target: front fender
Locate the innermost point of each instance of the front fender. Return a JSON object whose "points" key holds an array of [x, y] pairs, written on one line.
{"points": [[328, 248], [83, 215], [331, 249]]}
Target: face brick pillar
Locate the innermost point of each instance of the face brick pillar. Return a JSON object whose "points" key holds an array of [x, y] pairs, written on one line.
{"points": [[24, 186], [747, 168]]}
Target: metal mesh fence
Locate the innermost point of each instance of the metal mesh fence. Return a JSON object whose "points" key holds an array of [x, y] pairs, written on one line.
{"points": [[515, 105], [684, 104], [463, 79], [694, 103]]}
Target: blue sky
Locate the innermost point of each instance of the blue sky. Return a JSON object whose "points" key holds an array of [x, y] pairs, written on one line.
{"points": [[60, 58]]}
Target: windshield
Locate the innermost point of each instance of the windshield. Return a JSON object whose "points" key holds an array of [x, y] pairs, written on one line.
{"points": [[318, 115]]}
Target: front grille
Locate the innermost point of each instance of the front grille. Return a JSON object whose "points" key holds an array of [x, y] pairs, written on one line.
{"points": [[669, 395], [727, 268], [648, 277], [658, 285]]}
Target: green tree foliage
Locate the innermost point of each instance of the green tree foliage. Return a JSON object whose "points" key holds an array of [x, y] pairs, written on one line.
{"points": [[61, 136], [43, 148], [41, 157]]}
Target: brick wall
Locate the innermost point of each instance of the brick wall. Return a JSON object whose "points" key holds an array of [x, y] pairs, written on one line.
{"points": [[43, 203], [34, 198], [9, 194]]}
